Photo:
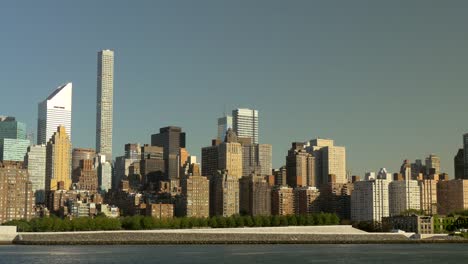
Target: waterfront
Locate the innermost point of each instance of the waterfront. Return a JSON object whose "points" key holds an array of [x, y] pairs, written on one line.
{"points": [[174, 254]]}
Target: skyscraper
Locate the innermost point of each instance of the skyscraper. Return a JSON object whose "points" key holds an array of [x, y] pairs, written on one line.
{"points": [[465, 151], [459, 163], [35, 162], [10, 128], [53, 112], [329, 159], [104, 105], [224, 123], [404, 195], [245, 123], [172, 139], [13, 142], [256, 157], [300, 169], [58, 176], [432, 165]]}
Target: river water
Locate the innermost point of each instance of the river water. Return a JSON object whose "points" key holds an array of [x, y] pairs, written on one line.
{"points": [[239, 254]]}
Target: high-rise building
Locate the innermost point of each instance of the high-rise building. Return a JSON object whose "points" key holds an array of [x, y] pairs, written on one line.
{"points": [[336, 197], [104, 172], [369, 200], [428, 188], [224, 123], [10, 128], [104, 105], [465, 151], [79, 154], [226, 156], [280, 176], [255, 195], [416, 169], [404, 195], [13, 141], [432, 165], [86, 177], [224, 194], [58, 161], [35, 162], [452, 196], [16, 195], [329, 159], [256, 158], [55, 111], [306, 200], [172, 139], [195, 200], [300, 169], [245, 123], [459, 163], [282, 201], [133, 151], [152, 165]]}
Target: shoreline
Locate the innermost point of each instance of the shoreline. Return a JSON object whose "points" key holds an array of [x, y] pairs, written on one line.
{"points": [[265, 235]]}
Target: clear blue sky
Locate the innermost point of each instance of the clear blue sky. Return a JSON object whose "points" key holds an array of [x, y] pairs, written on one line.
{"points": [[386, 79]]}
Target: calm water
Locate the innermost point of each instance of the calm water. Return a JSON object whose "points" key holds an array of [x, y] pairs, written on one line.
{"points": [[239, 254]]}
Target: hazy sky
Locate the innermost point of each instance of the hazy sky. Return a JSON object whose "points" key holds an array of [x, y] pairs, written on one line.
{"points": [[386, 79]]}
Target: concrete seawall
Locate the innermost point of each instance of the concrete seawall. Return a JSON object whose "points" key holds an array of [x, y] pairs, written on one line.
{"points": [[7, 234], [267, 235]]}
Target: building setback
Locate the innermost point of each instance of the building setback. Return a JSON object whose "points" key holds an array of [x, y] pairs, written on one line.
{"points": [[104, 104], [58, 161], [300, 169], [329, 160]]}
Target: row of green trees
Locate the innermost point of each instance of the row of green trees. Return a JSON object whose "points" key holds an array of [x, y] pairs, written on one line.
{"points": [[54, 224]]}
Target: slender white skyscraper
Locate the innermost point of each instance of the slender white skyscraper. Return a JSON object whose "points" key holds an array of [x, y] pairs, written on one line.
{"points": [[245, 123], [104, 105], [55, 111]]}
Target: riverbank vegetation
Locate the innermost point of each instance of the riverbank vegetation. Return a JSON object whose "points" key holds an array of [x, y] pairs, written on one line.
{"points": [[102, 223]]}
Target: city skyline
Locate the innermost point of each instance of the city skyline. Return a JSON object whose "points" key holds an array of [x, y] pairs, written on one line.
{"points": [[364, 110]]}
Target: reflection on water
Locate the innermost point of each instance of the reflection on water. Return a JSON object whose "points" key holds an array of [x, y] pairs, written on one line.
{"points": [[174, 254]]}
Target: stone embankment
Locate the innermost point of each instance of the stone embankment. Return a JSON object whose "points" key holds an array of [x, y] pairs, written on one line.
{"points": [[267, 235]]}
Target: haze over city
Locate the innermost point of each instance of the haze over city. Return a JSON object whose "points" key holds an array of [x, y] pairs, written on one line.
{"points": [[385, 79]]}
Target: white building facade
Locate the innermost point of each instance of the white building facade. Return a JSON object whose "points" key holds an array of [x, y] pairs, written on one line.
{"points": [[245, 123]]}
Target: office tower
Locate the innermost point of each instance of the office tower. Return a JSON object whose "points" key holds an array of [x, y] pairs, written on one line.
{"points": [[369, 200], [452, 196], [245, 123], [104, 172], [54, 111], [133, 151], [10, 128], [79, 154], [256, 158], [224, 123], [104, 104], [282, 201], [172, 139], [404, 195], [16, 195], [195, 195], [428, 188], [58, 160], [86, 176], [35, 162], [459, 162], [280, 176], [224, 195], [152, 165], [432, 165], [255, 195], [13, 142], [300, 169], [306, 200], [336, 197], [329, 159], [465, 151], [224, 156]]}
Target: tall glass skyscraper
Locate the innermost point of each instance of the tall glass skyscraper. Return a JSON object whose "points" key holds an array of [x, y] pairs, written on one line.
{"points": [[104, 105], [245, 123], [13, 142], [224, 123], [53, 112]]}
